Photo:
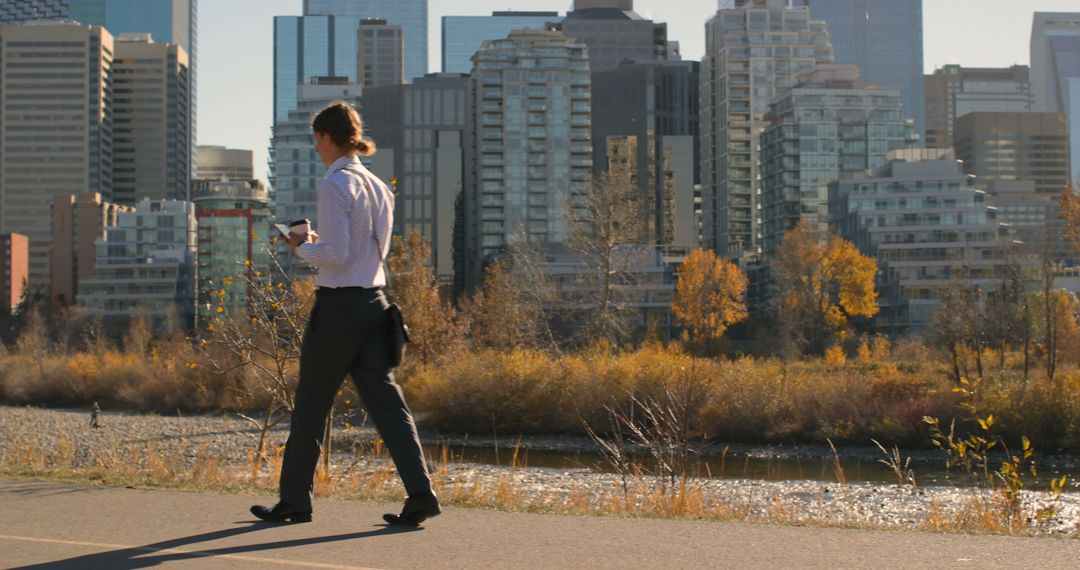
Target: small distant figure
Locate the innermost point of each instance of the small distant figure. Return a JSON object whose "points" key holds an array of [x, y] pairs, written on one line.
{"points": [[95, 413]]}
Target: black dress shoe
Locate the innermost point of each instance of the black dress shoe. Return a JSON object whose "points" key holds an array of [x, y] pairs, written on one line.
{"points": [[280, 513], [417, 509]]}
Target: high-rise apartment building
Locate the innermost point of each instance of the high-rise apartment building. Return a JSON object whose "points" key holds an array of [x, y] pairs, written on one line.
{"points": [[1015, 146], [656, 105], [55, 124], [14, 270], [884, 38], [614, 33], [420, 133], [233, 239], [145, 265], [77, 223], [528, 152], [754, 52], [931, 230], [954, 91], [829, 127], [463, 36], [295, 169], [217, 162], [411, 15], [381, 57], [151, 117]]}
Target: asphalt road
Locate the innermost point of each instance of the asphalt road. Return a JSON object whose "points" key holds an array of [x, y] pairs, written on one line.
{"points": [[53, 526]]}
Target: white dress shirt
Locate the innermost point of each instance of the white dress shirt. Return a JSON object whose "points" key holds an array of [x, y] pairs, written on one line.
{"points": [[347, 254]]}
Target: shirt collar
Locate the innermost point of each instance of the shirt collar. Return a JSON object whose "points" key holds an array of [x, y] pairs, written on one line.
{"points": [[342, 162]]}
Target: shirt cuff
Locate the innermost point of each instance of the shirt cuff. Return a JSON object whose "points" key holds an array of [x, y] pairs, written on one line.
{"points": [[300, 250]]}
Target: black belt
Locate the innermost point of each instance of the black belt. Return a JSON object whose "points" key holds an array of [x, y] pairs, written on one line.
{"points": [[323, 291]]}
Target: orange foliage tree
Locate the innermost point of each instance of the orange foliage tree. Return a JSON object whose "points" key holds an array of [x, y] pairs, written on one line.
{"points": [[709, 297], [1070, 212], [436, 329], [820, 281]]}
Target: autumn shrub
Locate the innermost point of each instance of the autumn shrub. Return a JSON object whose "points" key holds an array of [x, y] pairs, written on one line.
{"points": [[746, 400], [749, 400], [168, 378]]}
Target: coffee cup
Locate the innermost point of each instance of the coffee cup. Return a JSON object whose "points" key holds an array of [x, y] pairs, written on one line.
{"points": [[300, 227]]}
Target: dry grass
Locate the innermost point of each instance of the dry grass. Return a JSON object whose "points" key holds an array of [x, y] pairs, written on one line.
{"points": [[371, 477]]}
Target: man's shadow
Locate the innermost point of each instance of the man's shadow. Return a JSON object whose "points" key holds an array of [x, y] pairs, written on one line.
{"points": [[152, 555]]}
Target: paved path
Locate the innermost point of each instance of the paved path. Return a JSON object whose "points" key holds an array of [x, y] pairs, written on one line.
{"points": [[52, 526]]}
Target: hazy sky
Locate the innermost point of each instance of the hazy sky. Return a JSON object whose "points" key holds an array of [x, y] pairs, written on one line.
{"points": [[236, 48]]}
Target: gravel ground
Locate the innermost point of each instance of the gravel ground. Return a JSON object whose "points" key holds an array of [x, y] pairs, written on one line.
{"points": [[232, 439]]}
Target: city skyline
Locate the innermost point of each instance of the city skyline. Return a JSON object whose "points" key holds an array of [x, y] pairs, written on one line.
{"points": [[236, 68]]}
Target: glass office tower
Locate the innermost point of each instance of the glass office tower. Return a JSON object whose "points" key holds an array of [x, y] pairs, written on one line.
{"points": [[15, 11], [1055, 58], [884, 38], [169, 21], [311, 47], [411, 15], [462, 36], [1055, 70]]}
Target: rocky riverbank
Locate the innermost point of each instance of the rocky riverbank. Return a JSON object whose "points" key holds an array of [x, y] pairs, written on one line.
{"points": [[188, 440]]}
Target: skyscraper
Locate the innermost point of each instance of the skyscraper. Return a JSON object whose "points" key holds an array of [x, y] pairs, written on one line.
{"points": [[829, 127], [1055, 58], [420, 132], [655, 104], [411, 15], [308, 48], [462, 36], [15, 11], [614, 33], [151, 117], [56, 126], [382, 50], [1055, 71], [754, 52], [529, 96], [954, 91], [884, 38], [167, 21]]}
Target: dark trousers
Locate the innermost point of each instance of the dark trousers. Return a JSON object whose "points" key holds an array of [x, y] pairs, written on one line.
{"points": [[347, 334]]}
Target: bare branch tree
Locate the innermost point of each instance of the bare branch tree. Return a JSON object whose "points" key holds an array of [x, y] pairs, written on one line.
{"points": [[608, 232], [265, 343]]}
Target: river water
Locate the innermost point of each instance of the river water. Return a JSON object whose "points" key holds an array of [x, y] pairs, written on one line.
{"points": [[931, 472]]}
